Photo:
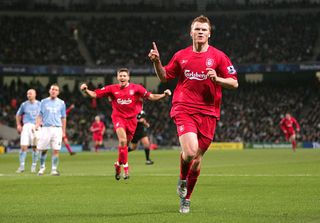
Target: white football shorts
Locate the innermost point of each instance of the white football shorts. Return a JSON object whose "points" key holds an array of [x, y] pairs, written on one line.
{"points": [[51, 138], [29, 136]]}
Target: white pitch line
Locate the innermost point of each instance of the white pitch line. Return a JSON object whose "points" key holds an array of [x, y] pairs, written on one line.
{"points": [[165, 175]]}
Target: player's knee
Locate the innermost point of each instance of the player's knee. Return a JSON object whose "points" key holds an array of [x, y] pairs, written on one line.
{"points": [[123, 142], [190, 155], [146, 145], [24, 148], [196, 162]]}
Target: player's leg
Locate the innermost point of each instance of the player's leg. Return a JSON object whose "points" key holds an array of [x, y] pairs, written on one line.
{"points": [[35, 156], [132, 147], [55, 163], [293, 141], [134, 142], [187, 132], [101, 145], [122, 150], [25, 141], [42, 147], [146, 144], [194, 147], [96, 146], [189, 146], [66, 143], [56, 147], [205, 135], [194, 172], [35, 152], [22, 158], [43, 158]]}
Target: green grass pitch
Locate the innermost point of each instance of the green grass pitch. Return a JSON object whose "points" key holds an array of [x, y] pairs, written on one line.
{"points": [[270, 185]]}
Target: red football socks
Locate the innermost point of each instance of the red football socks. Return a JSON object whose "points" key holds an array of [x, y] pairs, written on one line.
{"points": [[68, 147], [123, 154], [191, 181], [184, 168], [294, 145]]}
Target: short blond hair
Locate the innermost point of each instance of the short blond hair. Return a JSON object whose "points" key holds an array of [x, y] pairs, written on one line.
{"points": [[202, 19]]}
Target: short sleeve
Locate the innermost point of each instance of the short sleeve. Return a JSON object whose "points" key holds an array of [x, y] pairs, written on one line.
{"points": [[172, 68], [41, 108], [225, 68], [20, 110], [142, 92], [63, 110], [105, 91]]}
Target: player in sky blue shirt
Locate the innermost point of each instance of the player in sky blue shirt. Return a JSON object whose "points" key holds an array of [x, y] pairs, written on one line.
{"points": [[52, 110], [26, 120], [29, 110], [52, 117]]}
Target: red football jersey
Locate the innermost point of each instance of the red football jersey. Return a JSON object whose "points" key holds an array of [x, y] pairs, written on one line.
{"points": [[97, 128], [195, 92], [287, 124], [126, 102]]}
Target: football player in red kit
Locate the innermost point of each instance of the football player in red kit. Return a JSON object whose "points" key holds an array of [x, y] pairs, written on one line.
{"points": [[202, 71], [97, 128], [126, 104], [65, 137], [287, 127]]}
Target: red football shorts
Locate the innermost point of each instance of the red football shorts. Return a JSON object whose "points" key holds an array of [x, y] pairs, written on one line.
{"points": [[97, 137], [289, 134], [129, 125], [203, 125]]}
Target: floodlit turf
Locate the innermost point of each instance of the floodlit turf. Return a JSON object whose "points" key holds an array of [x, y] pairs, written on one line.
{"points": [[234, 186]]}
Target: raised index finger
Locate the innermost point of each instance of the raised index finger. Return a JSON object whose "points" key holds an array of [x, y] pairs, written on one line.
{"points": [[154, 46]]}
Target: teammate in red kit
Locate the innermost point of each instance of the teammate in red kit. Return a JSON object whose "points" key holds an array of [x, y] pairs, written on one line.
{"points": [[202, 71], [97, 128], [65, 138], [286, 125], [126, 104]]}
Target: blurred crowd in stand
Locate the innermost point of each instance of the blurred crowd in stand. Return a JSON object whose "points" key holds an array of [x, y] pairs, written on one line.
{"points": [[250, 114]]}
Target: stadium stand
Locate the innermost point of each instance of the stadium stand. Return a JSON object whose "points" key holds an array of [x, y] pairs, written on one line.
{"points": [[37, 40], [267, 38]]}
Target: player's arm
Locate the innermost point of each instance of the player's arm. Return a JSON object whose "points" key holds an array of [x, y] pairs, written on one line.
{"points": [[296, 124], [156, 97], [92, 129], [158, 68], [18, 122], [69, 109], [64, 124], [38, 122], [84, 89], [144, 122], [103, 130], [282, 127], [228, 82]]}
